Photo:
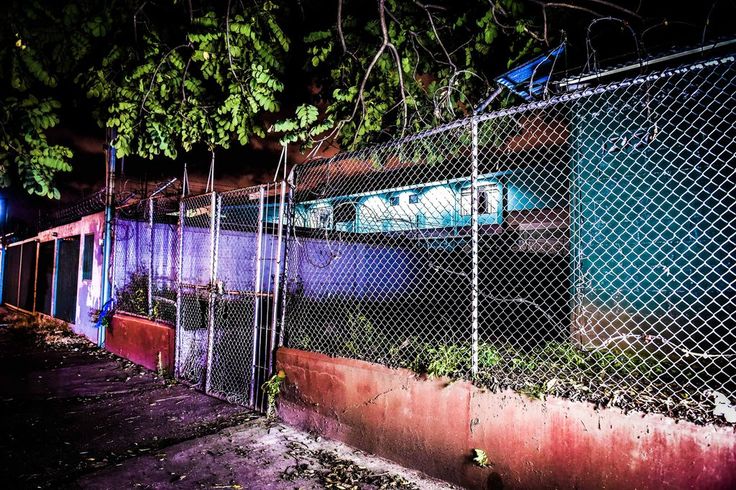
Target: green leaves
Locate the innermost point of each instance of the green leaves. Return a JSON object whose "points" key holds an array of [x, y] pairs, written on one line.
{"points": [[23, 142], [96, 26], [319, 46], [171, 83], [315, 36], [45, 46], [303, 127], [239, 26], [480, 458], [35, 67], [306, 114], [212, 89], [431, 67]]}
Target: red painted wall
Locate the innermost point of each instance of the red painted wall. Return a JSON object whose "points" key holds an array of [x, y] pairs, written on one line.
{"points": [[433, 425], [141, 341]]}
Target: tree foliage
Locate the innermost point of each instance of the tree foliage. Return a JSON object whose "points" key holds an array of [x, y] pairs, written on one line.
{"points": [[38, 48], [208, 82], [394, 66], [171, 75]]}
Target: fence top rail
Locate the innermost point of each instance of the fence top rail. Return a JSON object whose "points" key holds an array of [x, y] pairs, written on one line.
{"points": [[141, 202], [253, 192], [198, 197], [526, 107]]}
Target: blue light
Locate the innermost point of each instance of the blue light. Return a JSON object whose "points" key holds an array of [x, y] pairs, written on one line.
{"points": [[535, 71]]}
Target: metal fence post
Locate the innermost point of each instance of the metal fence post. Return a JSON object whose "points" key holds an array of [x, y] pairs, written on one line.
{"points": [[2, 263], [277, 276], [214, 232], [109, 232], [179, 265], [285, 269], [55, 281], [150, 258], [257, 293], [474, 246]]}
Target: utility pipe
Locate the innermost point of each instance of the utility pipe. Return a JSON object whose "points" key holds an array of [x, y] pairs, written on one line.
{"points": [[106, 293]]}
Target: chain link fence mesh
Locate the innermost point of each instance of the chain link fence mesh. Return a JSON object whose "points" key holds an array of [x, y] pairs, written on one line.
{"points": [[582, 246], [164, 271], [235, 299], [145, 253], [196, 249], [132, 259], [225, 301]]}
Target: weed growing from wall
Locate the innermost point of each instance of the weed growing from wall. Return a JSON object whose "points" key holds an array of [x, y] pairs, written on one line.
{"points": [[628, 378]]}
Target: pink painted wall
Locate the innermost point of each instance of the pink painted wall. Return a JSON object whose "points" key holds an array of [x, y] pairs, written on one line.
{"points": [[88, 290], [141, 341], [433, 425]]}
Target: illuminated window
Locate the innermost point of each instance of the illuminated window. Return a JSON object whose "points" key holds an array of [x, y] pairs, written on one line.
{"points": [[413, 198], [488, 200]]}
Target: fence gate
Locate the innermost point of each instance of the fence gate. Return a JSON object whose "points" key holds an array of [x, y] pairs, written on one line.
{"points": [[230, 258]]}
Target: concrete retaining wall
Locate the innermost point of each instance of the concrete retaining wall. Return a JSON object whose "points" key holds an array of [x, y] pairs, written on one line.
{"points": [[433, 425], [142, 341]]}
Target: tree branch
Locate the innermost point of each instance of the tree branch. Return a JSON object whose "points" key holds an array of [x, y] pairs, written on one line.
{"points": [[339, 26], [402, 90], [229, 53], [564, 5], [436, 34], [616, 7], [135, 20], [184, 79], [155, 72]]}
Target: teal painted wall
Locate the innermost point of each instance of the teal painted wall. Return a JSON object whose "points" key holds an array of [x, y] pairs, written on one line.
{"points": [[653, 209]]}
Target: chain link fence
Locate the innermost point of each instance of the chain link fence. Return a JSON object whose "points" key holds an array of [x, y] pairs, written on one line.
{"points": [[210, 266], [195, 312], [581, 246], [145, 257], [231, 255], [243, 336]]}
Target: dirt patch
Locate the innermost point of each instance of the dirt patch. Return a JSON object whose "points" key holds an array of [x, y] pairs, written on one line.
{"points": [[260, 455]]}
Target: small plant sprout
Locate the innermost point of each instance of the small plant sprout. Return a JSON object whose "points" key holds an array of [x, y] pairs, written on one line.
{"points": [[447, 360], [488, 356], [160, 370], [272, 387], [480, 458]]}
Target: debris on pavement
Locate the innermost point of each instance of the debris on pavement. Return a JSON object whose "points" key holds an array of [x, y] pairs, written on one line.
{"points": [[76, 416]]}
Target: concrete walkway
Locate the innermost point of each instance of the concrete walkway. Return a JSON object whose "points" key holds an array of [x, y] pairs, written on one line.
{"points": [[74, 416]]}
